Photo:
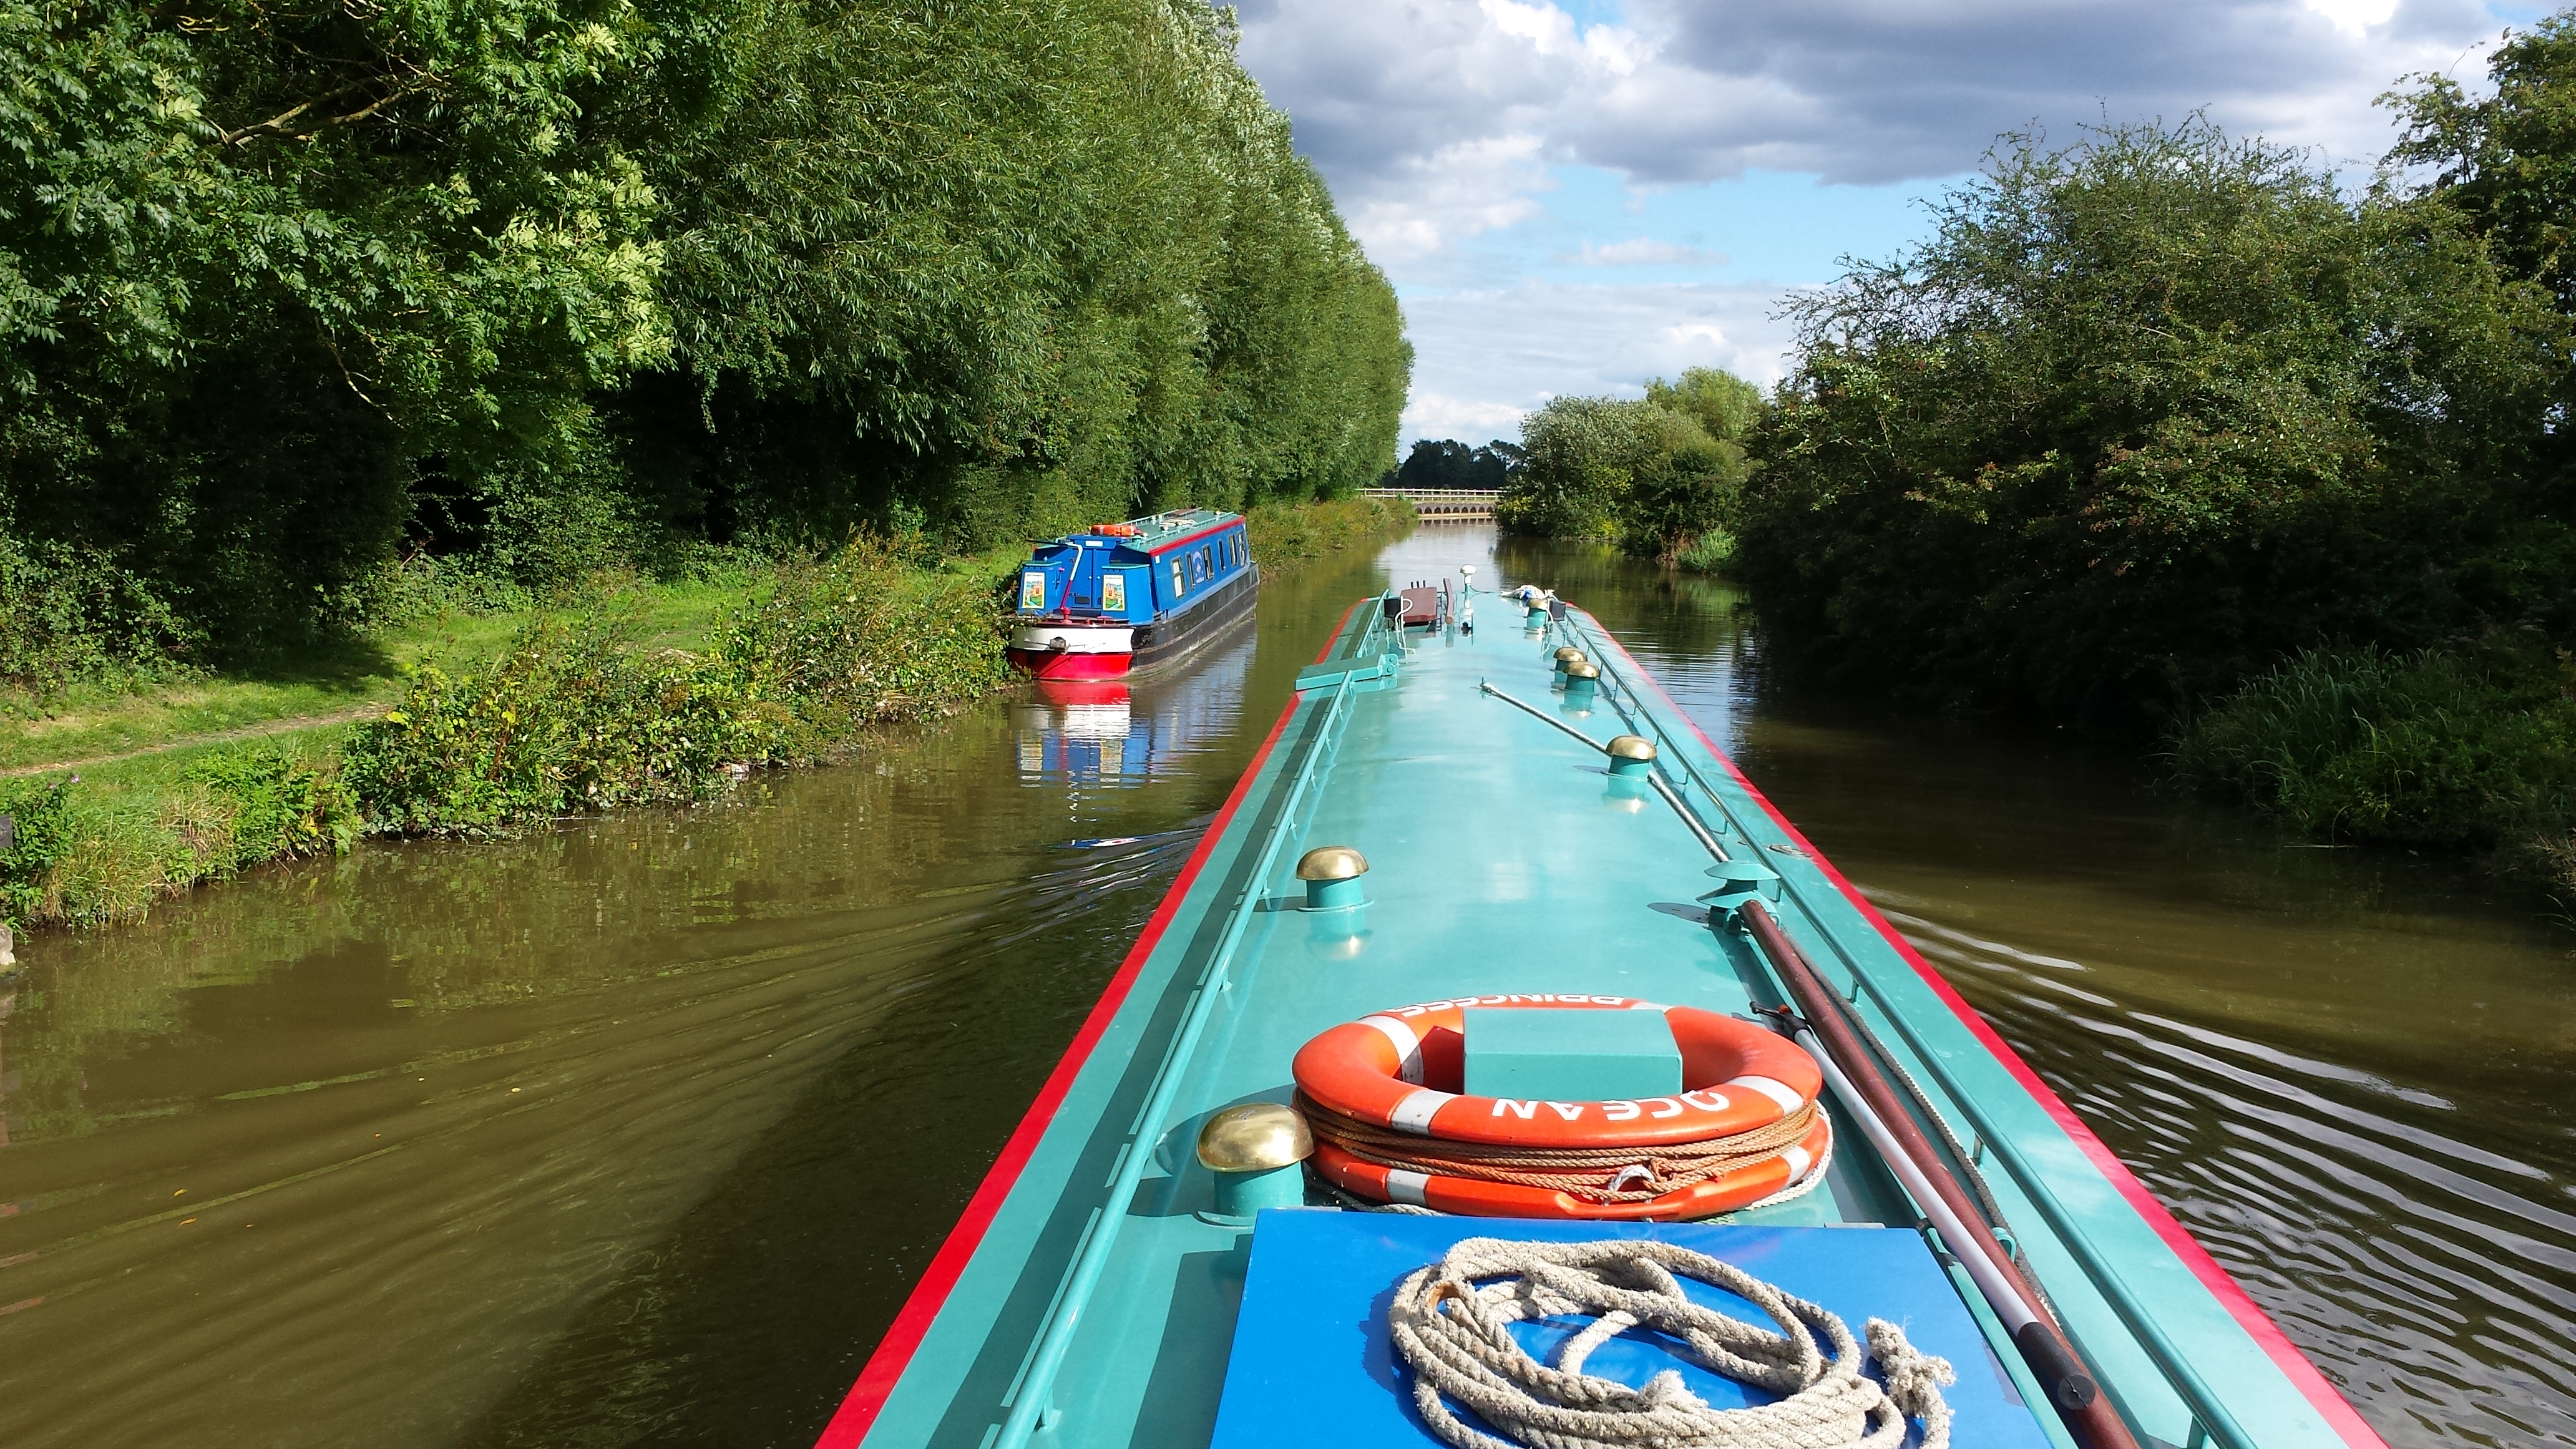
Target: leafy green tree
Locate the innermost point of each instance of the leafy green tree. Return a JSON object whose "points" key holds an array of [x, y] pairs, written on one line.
{"points": [[1448, 463], [257, 260], [1013, 266], [2506, 161], [1725, 405], [1639, 472], [2147, 412]]}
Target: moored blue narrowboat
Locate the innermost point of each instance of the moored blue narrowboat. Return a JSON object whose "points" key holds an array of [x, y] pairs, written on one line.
{"points": [[1500, 1066], [1126, 596]]}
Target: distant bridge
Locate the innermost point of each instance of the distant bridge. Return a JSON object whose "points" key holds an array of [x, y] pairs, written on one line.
{"points": [[1444, 505]]}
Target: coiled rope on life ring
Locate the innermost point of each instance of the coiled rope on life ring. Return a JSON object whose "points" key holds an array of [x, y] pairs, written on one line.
{"points": [[1591, 1174], [1456, 1336]]}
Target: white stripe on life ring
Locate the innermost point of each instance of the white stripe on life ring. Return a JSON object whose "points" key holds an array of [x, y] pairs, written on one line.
{"points": [[1779, 1092], [1408, 1047], [1407, 1187], [1648, 1006], [1415, 1112], [1799, 1161]]}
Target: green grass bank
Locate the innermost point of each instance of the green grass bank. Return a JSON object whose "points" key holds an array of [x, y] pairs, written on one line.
{"points": [[2468, 749], [474, 709]]}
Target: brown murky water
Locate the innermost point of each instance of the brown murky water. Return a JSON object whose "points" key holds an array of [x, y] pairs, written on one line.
{"points": [[635, 1130]]}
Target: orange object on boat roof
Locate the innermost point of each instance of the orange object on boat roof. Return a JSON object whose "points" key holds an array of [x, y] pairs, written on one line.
{"points": [[1381, 1095], [1116, 530], [1401, 1068]]}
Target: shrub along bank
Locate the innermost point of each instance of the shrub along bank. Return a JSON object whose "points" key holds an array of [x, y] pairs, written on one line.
{"points": [[575, 708], [1658, 475], [2468, 749], [2164, 433], [2428, 748], [572, 716]]}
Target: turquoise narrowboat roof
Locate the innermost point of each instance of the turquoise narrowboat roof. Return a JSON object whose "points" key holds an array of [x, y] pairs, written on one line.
{"points": [[1084, 1288]]}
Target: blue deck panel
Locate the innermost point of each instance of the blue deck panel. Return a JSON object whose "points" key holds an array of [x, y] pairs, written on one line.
{"points": [[1315, 1302], [1504, 860]]}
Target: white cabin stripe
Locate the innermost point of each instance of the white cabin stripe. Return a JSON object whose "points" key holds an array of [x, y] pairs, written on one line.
{"points": [[1415, 1112], [1408, 1047]]}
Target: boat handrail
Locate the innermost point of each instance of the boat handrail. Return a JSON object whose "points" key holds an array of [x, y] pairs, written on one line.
{"points": [[2207, 1408], [1636, 714], [1029, 1402]]}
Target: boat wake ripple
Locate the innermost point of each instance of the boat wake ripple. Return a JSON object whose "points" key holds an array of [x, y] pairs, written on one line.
{"points": [[2419, 1245]]}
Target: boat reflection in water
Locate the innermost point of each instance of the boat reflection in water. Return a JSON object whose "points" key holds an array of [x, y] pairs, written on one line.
{"points": [[1121, 733]]}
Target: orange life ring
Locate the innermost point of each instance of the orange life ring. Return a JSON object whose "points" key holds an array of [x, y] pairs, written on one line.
{"points": [[1472, 1197], [1402, 1068]]}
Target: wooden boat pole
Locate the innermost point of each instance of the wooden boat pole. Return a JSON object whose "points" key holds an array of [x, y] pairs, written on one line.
{"points": [[1883, 1115]]}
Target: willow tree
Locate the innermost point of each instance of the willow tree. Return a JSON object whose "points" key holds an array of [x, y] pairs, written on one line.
{"points": [[1004, 268]]}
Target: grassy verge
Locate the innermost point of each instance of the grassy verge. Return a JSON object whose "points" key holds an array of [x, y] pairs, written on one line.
{"points": [[474, 717], [2472, 750], [1708, 553], [1285, 537]]}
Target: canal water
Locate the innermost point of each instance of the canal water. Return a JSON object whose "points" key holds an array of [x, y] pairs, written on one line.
{"points": [[635, 1130]]}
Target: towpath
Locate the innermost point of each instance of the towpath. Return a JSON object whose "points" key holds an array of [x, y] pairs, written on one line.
{"points": [[291, 725]]}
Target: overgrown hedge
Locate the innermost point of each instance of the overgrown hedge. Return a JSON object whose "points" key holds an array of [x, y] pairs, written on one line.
{"points": [[73, 860], [2148, 414], [570, 715]]}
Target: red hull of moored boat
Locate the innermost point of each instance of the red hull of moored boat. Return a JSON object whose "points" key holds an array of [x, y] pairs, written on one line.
{"points": [[1052, 664]]}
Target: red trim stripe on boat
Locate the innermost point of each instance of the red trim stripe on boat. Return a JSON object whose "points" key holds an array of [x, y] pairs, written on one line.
{"points": [[903, 1337], [2248, 1314], [1333, 638]]}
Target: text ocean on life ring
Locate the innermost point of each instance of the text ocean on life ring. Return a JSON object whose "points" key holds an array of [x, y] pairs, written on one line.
{"points": [[1400, 1068]]}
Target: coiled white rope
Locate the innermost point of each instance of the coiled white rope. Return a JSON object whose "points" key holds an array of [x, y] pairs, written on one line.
{"points": [[1457, 1338]]}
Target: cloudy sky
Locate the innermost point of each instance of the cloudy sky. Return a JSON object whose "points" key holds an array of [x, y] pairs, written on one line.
{"points": [[1574, 197]]}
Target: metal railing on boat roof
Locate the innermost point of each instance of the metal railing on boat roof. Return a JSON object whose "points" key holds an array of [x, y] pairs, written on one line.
{"points": [[2210, 1412], [1030, 1402]]}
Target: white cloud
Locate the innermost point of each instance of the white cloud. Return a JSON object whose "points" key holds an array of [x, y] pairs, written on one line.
{"points": [[1436, 415], [2354, 17], [1452, 194], [1486, 358], [1435, 119], [1643, 251]]}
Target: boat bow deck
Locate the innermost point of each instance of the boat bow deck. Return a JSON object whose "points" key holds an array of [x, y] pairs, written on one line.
{"points": [[1087, 1296]]}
